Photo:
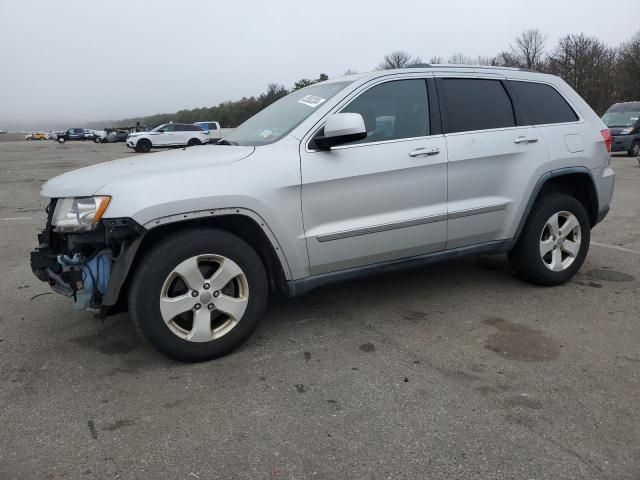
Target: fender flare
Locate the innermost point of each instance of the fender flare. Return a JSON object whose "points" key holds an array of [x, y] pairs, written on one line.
{"points": [[538, 187], [120, 269]]}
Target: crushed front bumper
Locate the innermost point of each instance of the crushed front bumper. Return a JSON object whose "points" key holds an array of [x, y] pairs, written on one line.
{"points": [[82, 265]]}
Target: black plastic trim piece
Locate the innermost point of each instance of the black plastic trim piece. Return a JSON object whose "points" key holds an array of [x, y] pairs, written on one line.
{"points": [[435, 120], [304, 285], [538, 187]]}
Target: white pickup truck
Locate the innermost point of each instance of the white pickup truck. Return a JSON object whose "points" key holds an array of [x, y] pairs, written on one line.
{"points": [[216, 132]]}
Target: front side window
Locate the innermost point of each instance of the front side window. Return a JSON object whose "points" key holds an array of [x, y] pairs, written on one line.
{"points": [[393, 110], [279, 118], [475, 104], [542, 104]]}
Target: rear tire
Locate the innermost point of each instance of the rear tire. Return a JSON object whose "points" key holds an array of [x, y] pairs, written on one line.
{"points": [[544, 253], [143, 145], [634, 151], [166, 280], [193, 142]]}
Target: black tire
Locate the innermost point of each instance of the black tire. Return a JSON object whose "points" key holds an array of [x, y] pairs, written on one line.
{"points": [[193, 142], [158, 263], [61, 140], [525, 256], [143, 145], [634, 151], [97, 140]]}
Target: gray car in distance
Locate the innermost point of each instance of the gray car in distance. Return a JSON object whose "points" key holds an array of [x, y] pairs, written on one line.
{"points": [[346, 177]]}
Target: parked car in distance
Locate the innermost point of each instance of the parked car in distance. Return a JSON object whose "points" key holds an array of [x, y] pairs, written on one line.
{"points": [[168, 135], [213, 129], [343, 178], [75, 134], [623, 119], [36, 136]]}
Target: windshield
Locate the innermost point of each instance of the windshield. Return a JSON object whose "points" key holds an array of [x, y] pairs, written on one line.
{"points": [[620, 119], [281, 117]]}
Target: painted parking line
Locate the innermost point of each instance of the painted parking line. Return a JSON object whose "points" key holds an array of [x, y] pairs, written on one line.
{"points": [[15, 219], [615, 247]]}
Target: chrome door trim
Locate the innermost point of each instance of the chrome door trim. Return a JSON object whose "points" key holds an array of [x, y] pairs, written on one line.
{"points": [[477, 211], [328, 237]]}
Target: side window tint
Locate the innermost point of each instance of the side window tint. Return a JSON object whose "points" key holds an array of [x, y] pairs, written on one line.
{"points": [[393, 110], [475, 104], [542, 103], [213, 126]]}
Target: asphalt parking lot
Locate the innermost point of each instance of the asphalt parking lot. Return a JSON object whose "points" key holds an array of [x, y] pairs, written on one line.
{"points": [[454, 371]]}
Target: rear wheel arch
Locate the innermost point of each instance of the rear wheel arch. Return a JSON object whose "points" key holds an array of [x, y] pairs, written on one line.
{"points": [[575, 181]]}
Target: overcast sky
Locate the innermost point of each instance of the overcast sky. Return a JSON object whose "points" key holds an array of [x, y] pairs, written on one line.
{"points": [[68, 61]]}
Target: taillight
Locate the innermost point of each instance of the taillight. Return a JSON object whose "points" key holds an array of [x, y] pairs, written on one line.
{"points": [[608, 139]]}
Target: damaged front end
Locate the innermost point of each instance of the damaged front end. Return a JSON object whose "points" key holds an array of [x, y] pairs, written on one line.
{"points": [[82, 264]]}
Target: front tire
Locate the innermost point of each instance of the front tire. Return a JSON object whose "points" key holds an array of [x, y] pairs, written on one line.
{"points": [[554, 241], [198, 294], [143, 145], [193, 142], [61, 140], [634, 151]]}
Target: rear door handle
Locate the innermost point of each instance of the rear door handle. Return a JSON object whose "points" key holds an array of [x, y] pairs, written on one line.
{"points": [[524, 139], [424, 151]]}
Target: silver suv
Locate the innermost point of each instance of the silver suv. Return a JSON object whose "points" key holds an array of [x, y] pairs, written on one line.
{"points": [[346, 177]]}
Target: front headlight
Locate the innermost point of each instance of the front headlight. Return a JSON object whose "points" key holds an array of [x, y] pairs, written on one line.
{"points": [[79, 214], [626, 131]]}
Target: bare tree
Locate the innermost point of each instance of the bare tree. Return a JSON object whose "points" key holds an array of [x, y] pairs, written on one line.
{"points": [[506, 59], [628, 69], [529, 49], [586, 64], [397, 59], [349, 72], [436, 60], [459, 59]]}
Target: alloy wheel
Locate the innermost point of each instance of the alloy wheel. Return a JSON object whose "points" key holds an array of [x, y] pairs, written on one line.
{"points": [[560, 241]]}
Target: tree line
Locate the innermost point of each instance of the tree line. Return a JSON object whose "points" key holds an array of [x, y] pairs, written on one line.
{"points": [[601, 74]]}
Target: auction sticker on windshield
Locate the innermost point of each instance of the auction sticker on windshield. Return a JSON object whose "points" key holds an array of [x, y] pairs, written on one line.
{"points": [[311, 101]]}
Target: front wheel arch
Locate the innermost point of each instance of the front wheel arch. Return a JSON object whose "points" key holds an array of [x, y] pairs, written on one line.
{"points": [[248, 229]]}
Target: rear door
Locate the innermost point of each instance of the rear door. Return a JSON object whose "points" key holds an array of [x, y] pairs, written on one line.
{"points": [[384, 197], [492, 158]]}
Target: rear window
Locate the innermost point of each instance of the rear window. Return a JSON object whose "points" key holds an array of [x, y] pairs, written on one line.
{"points": [[542, 104], [475, 104]]}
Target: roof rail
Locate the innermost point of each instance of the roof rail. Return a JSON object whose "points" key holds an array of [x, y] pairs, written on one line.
{"points": [[456, 65]]}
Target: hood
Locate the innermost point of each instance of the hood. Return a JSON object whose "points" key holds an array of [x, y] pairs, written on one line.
{"points": [[87, 181]]}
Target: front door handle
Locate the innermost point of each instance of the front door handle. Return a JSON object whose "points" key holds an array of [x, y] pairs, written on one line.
{"points": [[524, 139], [424, 151]]}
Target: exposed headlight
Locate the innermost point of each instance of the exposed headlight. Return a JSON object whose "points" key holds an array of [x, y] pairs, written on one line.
{"points": [[626, 131], [79, 214]]}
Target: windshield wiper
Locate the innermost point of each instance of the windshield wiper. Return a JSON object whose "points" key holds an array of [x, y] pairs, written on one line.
{"points": [[226, 142]]}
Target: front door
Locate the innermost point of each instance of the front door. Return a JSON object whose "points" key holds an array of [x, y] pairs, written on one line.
{"points": [[382, 198]]}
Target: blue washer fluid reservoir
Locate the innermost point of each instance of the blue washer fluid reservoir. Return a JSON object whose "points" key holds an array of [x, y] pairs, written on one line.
{"points": [[95, 276]]}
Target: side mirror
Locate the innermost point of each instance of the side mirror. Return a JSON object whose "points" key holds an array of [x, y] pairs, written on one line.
{"points": [[342, 128]]}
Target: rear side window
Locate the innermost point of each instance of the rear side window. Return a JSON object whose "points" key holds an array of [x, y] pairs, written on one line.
{"points": [[213, 126], [542, 103], [393, 110], [475, 104]]}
